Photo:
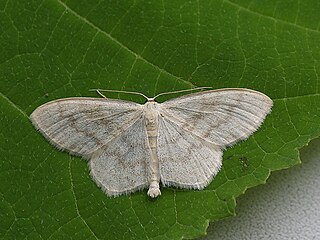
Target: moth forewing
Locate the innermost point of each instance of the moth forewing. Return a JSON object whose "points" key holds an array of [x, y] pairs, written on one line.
{"points": [[132, 146]]}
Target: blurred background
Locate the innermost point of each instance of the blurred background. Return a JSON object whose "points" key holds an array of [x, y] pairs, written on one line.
{"points": [[287, 207]]}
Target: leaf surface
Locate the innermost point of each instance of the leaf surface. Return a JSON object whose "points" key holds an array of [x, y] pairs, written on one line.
{"points": [[54, 49]]}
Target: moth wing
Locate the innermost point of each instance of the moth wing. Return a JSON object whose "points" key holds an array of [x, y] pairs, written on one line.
{"points": [[83, 125], [120, 167], [185, 160], [221, 117]]}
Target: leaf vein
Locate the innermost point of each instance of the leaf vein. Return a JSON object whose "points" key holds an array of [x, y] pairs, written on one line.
{"points": [[75, 200], [269, 17], [123, 46]]}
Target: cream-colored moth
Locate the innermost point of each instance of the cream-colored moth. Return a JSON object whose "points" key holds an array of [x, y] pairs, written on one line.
{"points": [[131, 146]]}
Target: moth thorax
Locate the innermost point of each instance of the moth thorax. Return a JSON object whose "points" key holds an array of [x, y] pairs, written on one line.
{"points": [[151, 115]]}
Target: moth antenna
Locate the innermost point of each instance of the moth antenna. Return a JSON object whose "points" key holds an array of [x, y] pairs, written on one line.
{"points": [[118, 91], [99, 93], [180, 91]]}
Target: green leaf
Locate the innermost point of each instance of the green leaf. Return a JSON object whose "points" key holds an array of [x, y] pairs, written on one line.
{"points": [[53, 49]]}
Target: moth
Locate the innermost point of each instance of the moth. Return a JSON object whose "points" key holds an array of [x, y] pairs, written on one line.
{"points": [[131, 146]]}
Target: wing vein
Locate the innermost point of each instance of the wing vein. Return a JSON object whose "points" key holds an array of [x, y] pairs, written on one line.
{"points": [[194, 132], [123, 130]]}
